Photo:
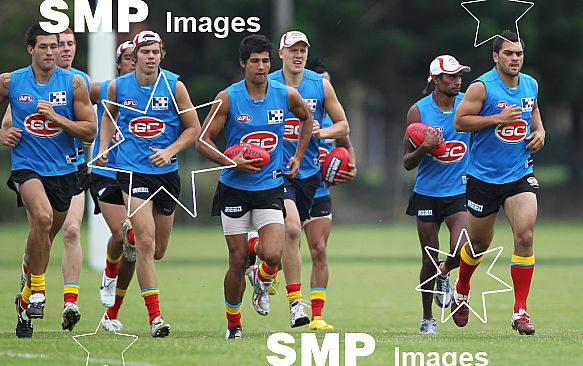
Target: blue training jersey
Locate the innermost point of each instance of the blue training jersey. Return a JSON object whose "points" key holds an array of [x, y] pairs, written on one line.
{"points": [[445, 175], [44, 146], [499, 154], [112, 153], [79, 143], [158, 127], [325, 146], [258, 122], [312, 90]]}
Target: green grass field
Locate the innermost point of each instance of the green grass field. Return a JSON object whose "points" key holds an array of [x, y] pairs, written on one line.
{"points": [[373, 274]]}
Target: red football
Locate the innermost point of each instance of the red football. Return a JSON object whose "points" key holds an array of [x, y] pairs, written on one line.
{"points": [[337, 160], [252, 152], [416, 133]]}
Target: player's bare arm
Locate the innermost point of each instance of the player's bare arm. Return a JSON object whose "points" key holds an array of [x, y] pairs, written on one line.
{"points": [[300, 109], [94, 92], [346, 176], [537, 131], [7, 119], [9, 136], [334, 109], [467, 118], [190, 125], [210, 131], [85, 126], [107, 125], [412, 156]]}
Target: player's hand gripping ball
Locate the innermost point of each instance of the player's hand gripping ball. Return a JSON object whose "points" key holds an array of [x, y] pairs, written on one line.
{"points": [[337, 160], [417, 132], [251, 152]]}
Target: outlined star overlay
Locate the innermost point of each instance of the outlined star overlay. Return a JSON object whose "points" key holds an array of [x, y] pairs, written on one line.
{"points": [[135, 338], [476, 44], [91, 164], [461, 240]]}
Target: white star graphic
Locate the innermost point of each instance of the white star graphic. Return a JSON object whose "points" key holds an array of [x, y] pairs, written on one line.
{"points": [[135, 338], [464, 233], [91, 164], [476, 44]]}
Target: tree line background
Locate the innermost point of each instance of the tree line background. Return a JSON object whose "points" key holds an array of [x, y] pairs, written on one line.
{"points": [[378, 52]]}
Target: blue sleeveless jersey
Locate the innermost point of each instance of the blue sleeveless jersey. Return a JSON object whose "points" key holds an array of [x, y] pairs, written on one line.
{"points": [[445, 175], [498, 154], [312, 90], [112, 153], [258, 122], [158, 128], [325, 146], [79, 143], [44, 147]]}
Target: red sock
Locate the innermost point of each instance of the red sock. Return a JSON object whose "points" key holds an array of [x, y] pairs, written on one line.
{"points": [[317, 307], [111, 269], [468, 265], [252, 244], [131, 238], [69, 297], [233, 319], [521, 278], [294, 287], [153, 305], [114, 310], [23, 304]]}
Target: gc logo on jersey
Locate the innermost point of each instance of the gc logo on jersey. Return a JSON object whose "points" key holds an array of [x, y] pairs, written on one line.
{"points": [[264, 139], [274, 116], [38, 125], [291, 131], [454, 152], [58, 98], [527, 104], [312, 103], [159, 103], [147, 127], [512, 132]]}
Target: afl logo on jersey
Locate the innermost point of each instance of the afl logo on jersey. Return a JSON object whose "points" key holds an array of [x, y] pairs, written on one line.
{"points": [[512, 133], [129, 103], [25, 98], [244, 118], [147, 127], [292, 129], [37, 125], [264, 139], [502, 105], [454, 152]]}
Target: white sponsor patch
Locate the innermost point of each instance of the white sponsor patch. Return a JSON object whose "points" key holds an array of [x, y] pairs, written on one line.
{"points": [[527, 104], [140, 190], [425, 213], [274, 116], [58, 98], [159, 103], [474, 206], [232, 209]]}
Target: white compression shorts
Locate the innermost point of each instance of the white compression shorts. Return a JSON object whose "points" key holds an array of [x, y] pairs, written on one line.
{"points": [[257, 218]]}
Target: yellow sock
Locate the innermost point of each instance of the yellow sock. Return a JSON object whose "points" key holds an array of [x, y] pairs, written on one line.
{"points": [[37, 283], [26, 292]]}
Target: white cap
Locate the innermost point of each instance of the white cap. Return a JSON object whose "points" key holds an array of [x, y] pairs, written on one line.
{"points": [[292, 37], [122, 47], [145, 36], [446, 64]]}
